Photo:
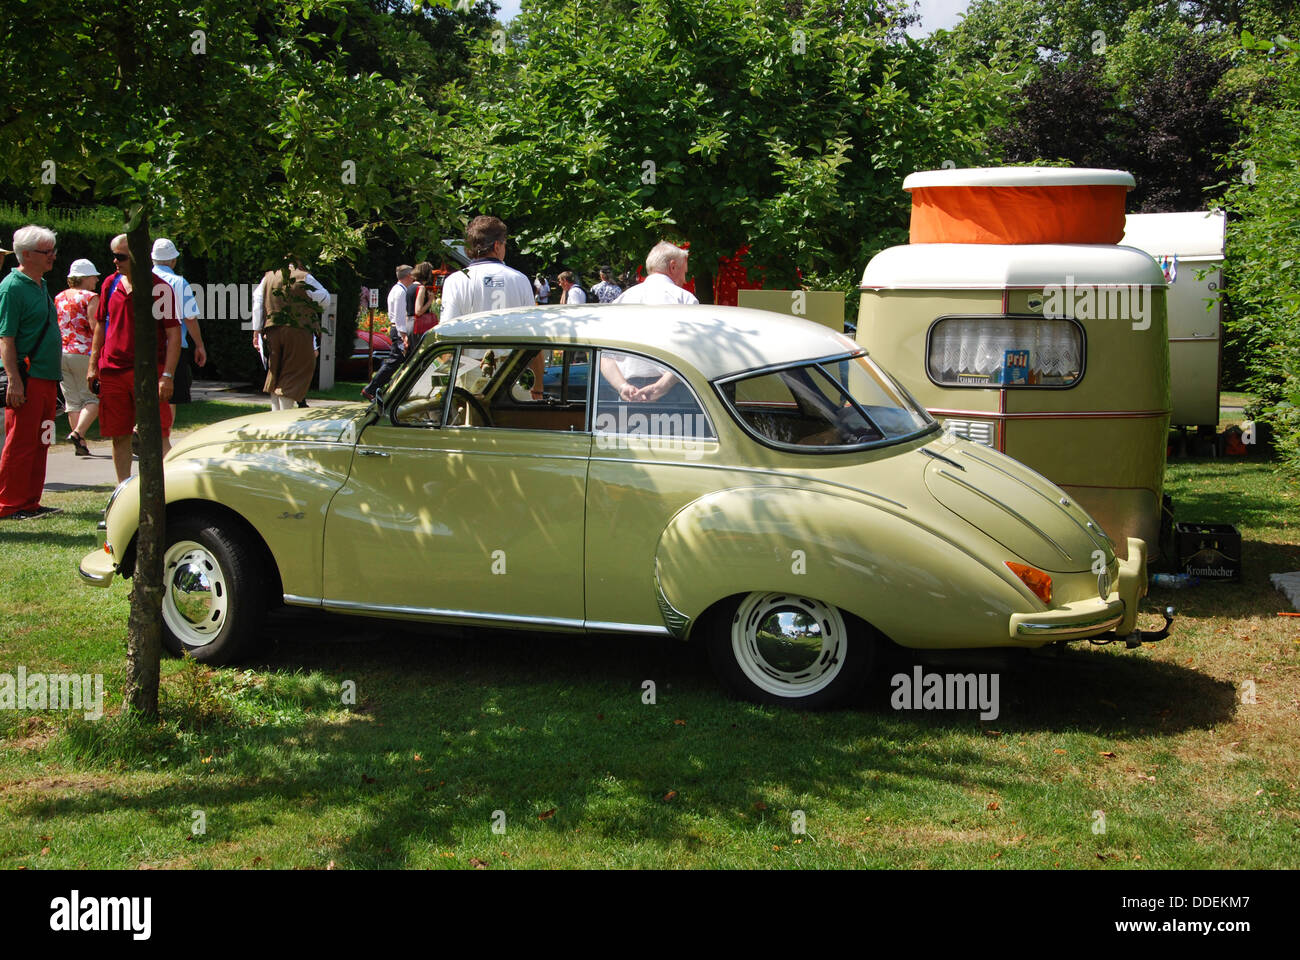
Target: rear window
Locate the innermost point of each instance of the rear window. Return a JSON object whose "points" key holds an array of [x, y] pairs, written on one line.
{"points": [[825, 405], [1005, 351]]}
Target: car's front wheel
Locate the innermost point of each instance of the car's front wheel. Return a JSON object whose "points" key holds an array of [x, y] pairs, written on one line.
{"points": [[789, 650], [214, 590]]}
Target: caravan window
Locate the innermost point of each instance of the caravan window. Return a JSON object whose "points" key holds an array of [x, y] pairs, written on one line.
{"points": [[1005, 351]]}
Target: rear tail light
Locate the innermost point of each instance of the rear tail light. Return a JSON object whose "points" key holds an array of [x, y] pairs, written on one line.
{"points": [[1037, 581]]}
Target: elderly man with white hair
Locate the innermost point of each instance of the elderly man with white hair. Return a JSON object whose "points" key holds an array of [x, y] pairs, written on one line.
{"points": [[32, 353], [665, 265]]}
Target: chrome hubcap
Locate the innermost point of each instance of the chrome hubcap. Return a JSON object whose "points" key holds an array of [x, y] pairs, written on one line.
{"points": [[195, 597], [787, 645]]}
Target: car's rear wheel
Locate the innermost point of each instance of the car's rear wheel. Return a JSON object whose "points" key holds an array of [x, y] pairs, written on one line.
{"points": [[789, 650], [214, 590]]}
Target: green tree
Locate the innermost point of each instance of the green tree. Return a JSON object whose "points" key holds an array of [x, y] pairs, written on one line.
{"points": [[786, 126], [234, 125], [1264, 248]]}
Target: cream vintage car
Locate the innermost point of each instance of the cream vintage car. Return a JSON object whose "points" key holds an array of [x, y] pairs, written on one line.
{"points": [[750, 481]]}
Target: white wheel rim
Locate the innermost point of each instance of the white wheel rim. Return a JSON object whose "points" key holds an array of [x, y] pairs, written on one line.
{"points": [[787, 645], [195, 595]]}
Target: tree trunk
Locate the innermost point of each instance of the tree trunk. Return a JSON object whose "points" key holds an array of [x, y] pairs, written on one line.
{"points": [[704, 276], [144, 624]]}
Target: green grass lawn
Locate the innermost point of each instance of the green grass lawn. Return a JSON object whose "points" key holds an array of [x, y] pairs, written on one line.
{"points": [[451, 726], [348, 390]]}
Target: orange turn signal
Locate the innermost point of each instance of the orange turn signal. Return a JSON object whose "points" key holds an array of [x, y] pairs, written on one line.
{"points": [[1037, 581]]}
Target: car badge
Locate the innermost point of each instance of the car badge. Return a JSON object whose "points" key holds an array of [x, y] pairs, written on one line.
{"points": [[1103, 584]]}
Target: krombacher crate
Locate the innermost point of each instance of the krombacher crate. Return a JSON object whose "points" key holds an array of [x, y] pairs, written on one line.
{"points": [[1211, 551]]}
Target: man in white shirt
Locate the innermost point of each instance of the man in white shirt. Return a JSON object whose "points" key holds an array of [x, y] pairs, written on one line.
{"points": [[665, 265], [572, 292], [186, 308], [399, 332], [487, 283]]}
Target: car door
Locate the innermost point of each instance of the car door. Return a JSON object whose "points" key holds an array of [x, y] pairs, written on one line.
{"points": [[448, 514]]}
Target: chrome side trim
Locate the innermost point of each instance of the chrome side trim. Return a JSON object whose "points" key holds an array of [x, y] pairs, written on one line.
{"points": [[297, 601], [641, 629], [468, 616], [998, 503], [478, 617]]}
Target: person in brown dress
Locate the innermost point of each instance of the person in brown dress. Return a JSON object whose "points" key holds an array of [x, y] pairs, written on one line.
{"points": [[288, 303]]}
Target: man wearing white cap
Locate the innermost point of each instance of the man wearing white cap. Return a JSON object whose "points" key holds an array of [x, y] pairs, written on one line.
{"points": [[77, 306], [165, 256]]}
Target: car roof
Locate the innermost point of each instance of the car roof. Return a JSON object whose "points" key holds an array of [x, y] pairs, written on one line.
{"points": [[714, 340]]}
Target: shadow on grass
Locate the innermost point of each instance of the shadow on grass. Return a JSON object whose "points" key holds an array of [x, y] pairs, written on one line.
{"points": [[453, 725]]}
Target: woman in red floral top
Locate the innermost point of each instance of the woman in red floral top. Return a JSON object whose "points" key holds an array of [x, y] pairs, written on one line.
{"points": [[76, 305]]}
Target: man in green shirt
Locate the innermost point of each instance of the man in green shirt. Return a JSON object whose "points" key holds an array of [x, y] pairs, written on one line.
{"points": [[29, 345]]}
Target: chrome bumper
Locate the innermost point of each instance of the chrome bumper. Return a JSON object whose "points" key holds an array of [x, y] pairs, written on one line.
{"points": [[97, 567], [1089, 618]]}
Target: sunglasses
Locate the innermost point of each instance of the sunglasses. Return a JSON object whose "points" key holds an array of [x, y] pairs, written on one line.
{"points": [[121, 256]]}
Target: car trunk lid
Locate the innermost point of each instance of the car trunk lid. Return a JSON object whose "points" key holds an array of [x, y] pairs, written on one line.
{"points": [[1023, 511]]}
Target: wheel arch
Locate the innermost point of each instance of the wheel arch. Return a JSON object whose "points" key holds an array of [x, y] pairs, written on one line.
{"points": [[209, 509]]}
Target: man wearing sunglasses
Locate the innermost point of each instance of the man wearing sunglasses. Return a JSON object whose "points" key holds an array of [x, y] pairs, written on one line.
{"points": [[112, 357], [32, 352]]}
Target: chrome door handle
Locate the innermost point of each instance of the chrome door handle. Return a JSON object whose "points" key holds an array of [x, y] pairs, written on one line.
{"points": [[373, 453]]}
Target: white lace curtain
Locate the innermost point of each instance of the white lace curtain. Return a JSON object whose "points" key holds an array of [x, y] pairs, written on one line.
{"points": [[977, 347]]}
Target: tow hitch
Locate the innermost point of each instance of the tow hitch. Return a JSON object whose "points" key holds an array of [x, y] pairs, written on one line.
{"points": [[1139, 637]]}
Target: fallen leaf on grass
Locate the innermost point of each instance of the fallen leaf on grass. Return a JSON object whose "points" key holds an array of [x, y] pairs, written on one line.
{"points": [[670, 795], [546, 815], [992, 733], [992, 806], [1257, 793], [477, 864], [330, 865], [1058, 750], [996, 855], [1108, 754], [256, 861], [760, 805], [418, 757], [45, 851], [1143, 776], [680, 723]]}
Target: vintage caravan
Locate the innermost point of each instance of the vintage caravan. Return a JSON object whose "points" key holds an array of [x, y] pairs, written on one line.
{"points": [[1190, 249], [1016, 318]]}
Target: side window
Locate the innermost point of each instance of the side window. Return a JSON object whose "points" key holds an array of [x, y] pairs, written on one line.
{"points": [[1005, 351], [424, 402], [637, 396], [540, 390]]}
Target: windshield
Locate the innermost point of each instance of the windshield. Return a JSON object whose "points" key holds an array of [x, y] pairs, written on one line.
{"points": [[825, 405]]}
